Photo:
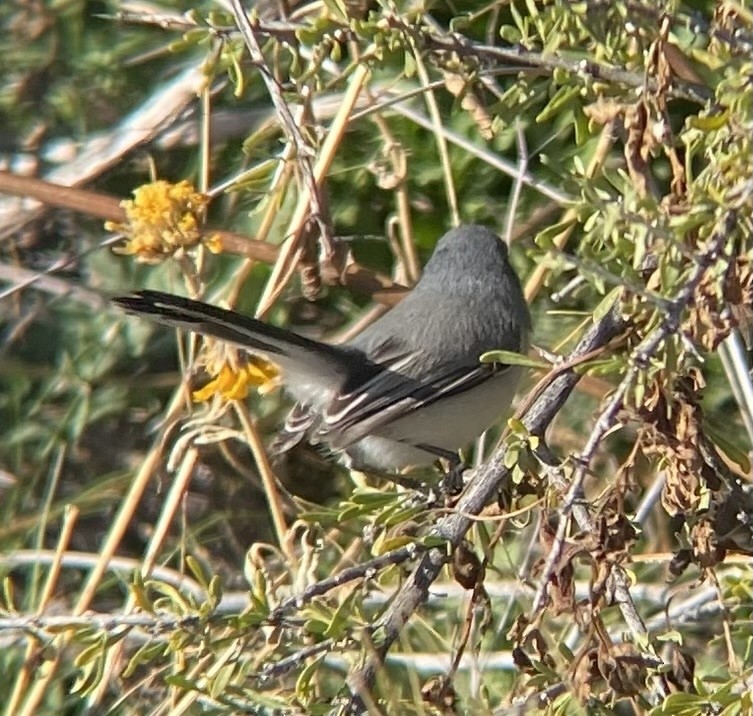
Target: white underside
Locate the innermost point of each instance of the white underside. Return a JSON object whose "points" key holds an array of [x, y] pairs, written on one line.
{"points": [[449, 424]]}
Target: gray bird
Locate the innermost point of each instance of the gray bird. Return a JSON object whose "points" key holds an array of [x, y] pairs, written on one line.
{"points": [[410, 387]]}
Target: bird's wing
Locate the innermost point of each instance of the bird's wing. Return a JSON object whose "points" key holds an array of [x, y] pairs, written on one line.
{"points": [[298, 425], [390, 395], [376, 398], [301, 356]]}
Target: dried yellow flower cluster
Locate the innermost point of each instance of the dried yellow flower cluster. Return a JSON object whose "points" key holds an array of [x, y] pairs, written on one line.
{"points": [[161, 219], [235, 373]]}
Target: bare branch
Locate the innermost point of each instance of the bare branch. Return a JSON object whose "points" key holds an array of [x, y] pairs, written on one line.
{"points": [[303, 150]]}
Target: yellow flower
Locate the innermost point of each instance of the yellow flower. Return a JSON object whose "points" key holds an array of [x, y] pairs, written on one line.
{"points": [[235, 374], [161, 219]]}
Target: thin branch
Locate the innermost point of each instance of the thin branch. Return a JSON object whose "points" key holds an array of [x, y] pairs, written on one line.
{"points": [[734, 359], [156, 623], [303, 150], [493, 160], [103, 150], [381, 288], [594, 71], [361, 571], [237, 601], [170, 506], [297, 658], [518, 183], [436, 122]]}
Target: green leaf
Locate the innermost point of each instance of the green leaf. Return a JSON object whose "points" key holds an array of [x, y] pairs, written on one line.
{"points": [[316, 626], [303, 686], [373, 498], [732, 451], [174, 597], [431, 541], [339, 622], [182, 682], [139, 593], [519, 20], [145, 655], [510, 34], [197, 571], [351, 512], [409, 65], [558, 104], [384, 544], [673, 636], [215, 590], [545, 238], [511, 457], [606, 303], [581, 125], [518, 427], [398, 515], [8, 595], [512, 358], [221, 680], [709, 122], [337, 8]]}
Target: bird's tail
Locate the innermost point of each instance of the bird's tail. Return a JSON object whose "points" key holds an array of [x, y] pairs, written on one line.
{"points": [[304, 358]]}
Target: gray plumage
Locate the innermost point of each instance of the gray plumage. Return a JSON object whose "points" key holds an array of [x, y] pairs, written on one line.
{"points": [[410, 387]]}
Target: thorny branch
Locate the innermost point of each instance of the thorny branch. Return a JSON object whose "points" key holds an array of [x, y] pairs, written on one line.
{"points": [[294, 661]]}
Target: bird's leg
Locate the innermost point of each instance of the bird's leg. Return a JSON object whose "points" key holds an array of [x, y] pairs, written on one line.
{"points": [[452, 481]]}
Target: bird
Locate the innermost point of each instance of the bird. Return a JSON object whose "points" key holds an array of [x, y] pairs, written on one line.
{"points": [[408, 389]]}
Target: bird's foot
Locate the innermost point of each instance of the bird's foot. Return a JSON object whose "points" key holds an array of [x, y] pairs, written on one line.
{"points": [[452, 482]]}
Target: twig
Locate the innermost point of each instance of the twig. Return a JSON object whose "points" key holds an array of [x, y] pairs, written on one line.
{"points": [[296, 659], [650, 498], [25, 673], [101, 151], [436, 122], [361, 571], [493, 160], [22, 278], [110, 544], [518, 183], [154, 623], [380, 287], [454, 42], [290, 253], [85, 561], [701, 602], [237, 601], [170, 506], [303, 150], [396, 154], [269, 480], [550, 62], [735, 362]]}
